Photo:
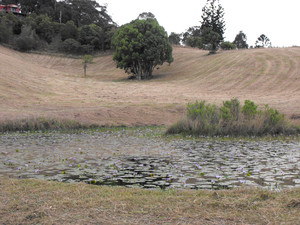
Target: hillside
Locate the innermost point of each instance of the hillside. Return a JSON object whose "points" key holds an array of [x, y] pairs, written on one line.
{"points": [[34, 85]]}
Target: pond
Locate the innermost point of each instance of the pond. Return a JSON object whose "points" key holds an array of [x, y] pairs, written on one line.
{"points": [[143, 157]]}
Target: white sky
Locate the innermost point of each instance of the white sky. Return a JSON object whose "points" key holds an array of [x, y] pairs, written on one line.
{"points": [[277, 19]]}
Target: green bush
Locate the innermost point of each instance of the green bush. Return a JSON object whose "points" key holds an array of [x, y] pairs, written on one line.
{"points": [[86, 49], [71, 46], [68, 30], [228, 45], [205, 115], [230, 110], [273, 117], [4, 32], [27, 39], [25, 43], [232, 119], [249, 109]]}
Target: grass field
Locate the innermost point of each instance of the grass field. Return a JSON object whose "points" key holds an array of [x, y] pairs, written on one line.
{"points": [[35, 85]]}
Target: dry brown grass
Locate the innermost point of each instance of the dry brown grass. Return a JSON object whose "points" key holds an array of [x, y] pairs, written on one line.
{"points": [[34, 85], [41, 202]]}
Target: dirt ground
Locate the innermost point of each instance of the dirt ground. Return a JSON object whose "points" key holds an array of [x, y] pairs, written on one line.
{"points": [[34, 85]]}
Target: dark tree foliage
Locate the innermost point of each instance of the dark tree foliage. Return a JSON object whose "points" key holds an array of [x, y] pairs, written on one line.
{"points": [[211, 39], [5, 31], [213, 21], [81, 12], [213, 17], [44, 27], [263, 42], [69, 30], [240, 40], [174, 38], [146, 15], [91, 35], [35, 6], [85, 12], [226, 45], [71, 46], [140, 46], [54, 20], [189, 36]]}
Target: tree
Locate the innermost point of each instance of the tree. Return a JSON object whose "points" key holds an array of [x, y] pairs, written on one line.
{"points": [[263, 41], [84, 23], [174, 38], [87, 59], [240, 40], [27, 40], [140, 46], [213, 23], [44, 27], [211, 39], [188, 37], [146, 15], [71, 46], [5, 27], [69, 30], [226, 45], [85, 12]]}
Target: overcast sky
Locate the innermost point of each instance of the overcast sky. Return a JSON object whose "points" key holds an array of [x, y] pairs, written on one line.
{"points": [[277, 19]]}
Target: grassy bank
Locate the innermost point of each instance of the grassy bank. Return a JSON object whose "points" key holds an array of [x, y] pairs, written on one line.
{"points": [[232, 119], [41, 202], [42, 124]]}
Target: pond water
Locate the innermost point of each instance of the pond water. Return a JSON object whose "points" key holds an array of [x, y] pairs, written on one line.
{"points": [[143, 157]]}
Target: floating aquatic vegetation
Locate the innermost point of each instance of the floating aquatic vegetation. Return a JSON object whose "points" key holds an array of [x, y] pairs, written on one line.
{"points": [[144, 157]]}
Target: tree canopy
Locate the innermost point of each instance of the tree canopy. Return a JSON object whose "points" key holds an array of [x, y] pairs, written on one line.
{"points": [[213, 24], [174, 38], [71, 26], [211, 32], [263, 41], [140, 46], [240, 40], [81, 12]]}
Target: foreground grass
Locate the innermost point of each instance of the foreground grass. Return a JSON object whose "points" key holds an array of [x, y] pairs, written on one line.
{"points": [[42, 202]]}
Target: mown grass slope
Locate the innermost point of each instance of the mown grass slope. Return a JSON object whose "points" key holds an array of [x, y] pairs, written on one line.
{"points": [[33, 85]]}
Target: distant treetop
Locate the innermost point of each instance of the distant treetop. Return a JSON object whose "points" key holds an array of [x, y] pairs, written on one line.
{"points": [[263, 41]]}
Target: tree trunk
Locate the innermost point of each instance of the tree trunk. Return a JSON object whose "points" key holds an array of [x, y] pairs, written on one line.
{"points": [[142, 71]]}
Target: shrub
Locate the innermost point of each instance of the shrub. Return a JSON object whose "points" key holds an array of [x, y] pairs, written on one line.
{"points": [[205, 115], [4, 31], [27, 40], [230, 110], [228, 45], [69, 30], [232, 119], [249, 109], [273, 120], [25, 43], [71, 46], [86, 49]]}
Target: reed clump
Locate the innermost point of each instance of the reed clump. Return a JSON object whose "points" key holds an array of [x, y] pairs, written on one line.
{"points": [[41, 124]]}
